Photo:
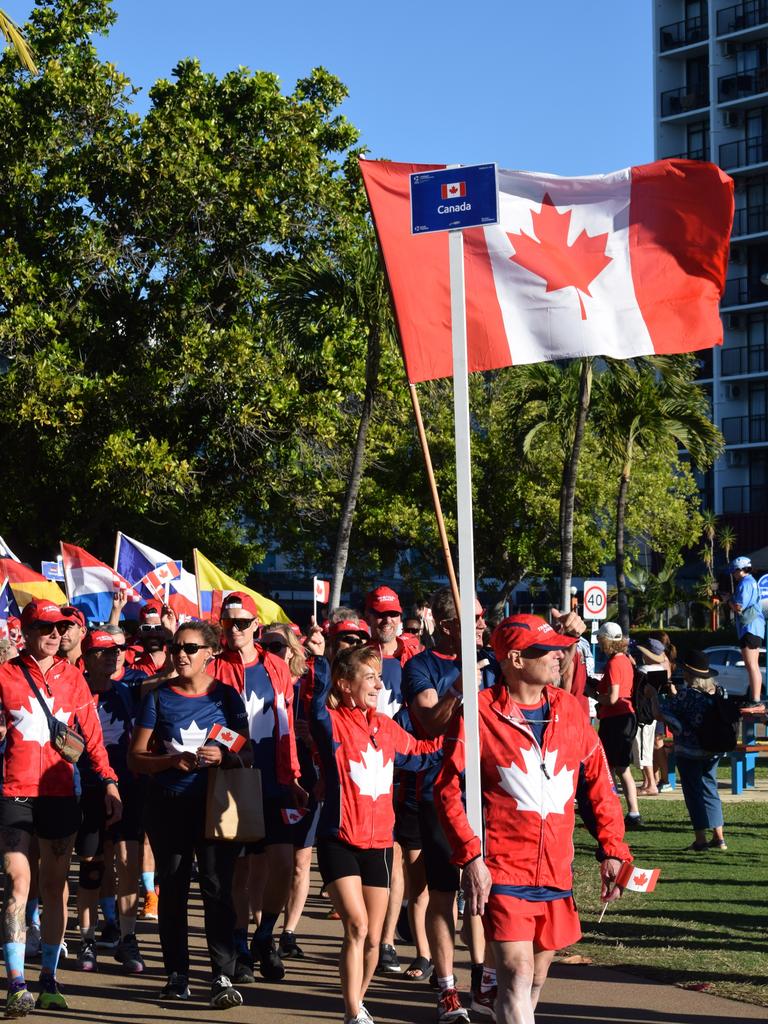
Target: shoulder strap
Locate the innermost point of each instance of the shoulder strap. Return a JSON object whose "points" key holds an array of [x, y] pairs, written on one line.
{"points": [[34, 689]]}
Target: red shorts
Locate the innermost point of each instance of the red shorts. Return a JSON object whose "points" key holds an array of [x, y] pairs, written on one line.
{"points": [[551, 925]]}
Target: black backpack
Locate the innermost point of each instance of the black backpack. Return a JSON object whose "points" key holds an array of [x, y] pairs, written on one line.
{"points": [[719, 729], [643, 701]]}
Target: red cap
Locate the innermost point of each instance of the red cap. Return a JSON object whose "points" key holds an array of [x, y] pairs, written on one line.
{"points": [[152, 607], [349, 626], [383, 599], [98, 640], [522, 632], [14, 622], [42, 611], [237, 599], [72, 614]]}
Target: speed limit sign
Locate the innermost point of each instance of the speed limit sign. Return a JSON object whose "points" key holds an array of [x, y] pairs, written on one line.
{"points": [[595, 599]]}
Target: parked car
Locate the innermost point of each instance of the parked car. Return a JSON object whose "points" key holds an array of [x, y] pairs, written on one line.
{"points": [[731, 671]]}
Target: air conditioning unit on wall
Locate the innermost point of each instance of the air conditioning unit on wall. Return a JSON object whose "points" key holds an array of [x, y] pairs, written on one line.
{"points": [[733, 392], [733, 322], [736, 458], [733, 118], [730, 49]]}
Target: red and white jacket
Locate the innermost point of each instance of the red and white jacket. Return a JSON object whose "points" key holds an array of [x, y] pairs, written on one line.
{"points": [[528, 791], [31, 766], [358, 751]]}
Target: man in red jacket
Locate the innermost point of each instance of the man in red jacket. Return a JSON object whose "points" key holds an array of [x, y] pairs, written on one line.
{"points": [[533, 739]]}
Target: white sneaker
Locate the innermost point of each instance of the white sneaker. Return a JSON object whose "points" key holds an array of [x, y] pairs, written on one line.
{"points": [[363, 1014]]}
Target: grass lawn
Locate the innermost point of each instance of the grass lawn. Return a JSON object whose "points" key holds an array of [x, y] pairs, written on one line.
{"points": [[707, 921]]}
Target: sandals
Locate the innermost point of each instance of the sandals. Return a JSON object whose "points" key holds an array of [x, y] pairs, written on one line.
{"points": [[419, 970]]}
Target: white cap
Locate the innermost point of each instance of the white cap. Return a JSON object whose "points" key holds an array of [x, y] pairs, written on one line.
{"points": [[610, 631]]}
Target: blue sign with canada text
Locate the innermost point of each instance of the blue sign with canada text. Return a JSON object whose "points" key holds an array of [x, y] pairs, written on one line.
{"points": [[454, 198]]}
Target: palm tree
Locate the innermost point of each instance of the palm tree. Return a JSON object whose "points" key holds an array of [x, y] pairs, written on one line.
{"points": [[642, 407], [315, 293], [726, 538], [15, 39]]}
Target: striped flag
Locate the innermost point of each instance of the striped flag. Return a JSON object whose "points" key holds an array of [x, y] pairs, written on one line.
{"points": [[637, 879], [227, 737]]}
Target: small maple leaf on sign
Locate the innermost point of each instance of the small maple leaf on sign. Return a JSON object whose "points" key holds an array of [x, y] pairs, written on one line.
{"points": [[549, 256]]}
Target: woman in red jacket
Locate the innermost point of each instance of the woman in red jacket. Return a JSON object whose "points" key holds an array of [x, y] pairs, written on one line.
{"points": [[357, 748]]}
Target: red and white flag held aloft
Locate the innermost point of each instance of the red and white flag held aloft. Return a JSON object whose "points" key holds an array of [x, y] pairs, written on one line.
{"points": [[625, 264], [322, 591], [227, 737]]}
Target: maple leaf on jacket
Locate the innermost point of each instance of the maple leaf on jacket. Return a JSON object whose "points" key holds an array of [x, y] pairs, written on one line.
{"points": [[549, 256], [371, 775], [535, 790]]}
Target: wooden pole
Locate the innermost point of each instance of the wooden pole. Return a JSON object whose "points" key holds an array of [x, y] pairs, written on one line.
{"points": [[435, 497]]}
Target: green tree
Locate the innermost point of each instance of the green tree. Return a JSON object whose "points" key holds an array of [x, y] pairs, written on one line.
{"points": [[641, 407], [15, 39]]}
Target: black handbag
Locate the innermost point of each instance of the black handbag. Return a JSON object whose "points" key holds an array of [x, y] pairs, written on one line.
{"points": [[67, 742]]}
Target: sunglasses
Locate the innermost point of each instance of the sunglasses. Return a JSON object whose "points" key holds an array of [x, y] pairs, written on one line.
{"points": [[387, 615], [46, 628], [274, 647], [107, 650], [350, 638], [188, 648], [239, 624]]}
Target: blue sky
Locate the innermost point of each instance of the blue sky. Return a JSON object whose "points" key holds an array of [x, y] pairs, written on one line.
{"points": [[556, 85]]}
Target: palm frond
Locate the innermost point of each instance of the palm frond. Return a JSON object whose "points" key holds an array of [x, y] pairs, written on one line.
{"points": [[15, 39]]}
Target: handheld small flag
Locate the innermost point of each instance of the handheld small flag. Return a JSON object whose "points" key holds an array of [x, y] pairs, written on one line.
{"points": [[322, 591], [158, 579], [292, 815], [227, 737], [637, 879]]}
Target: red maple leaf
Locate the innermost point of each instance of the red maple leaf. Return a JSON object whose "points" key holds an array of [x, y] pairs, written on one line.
{"points": [[640, 879], [550, 257], [225, 737]]}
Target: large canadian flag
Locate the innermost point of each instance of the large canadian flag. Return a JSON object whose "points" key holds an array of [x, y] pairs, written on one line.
{"points": [[625, 264]]}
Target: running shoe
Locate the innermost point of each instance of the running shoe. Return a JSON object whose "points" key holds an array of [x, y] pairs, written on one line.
{"points": [[718, 844], [86, 956], [698, 847], [51, 997], [34, 944], [268, 959], [109, 937], [148, 911], [223, 995], [389, 962], [288, 947], [243, 970], [363, 1013], [484, 1003], [177, 987], [19, 1003], [449, 1007], [129, 955], [633, 821]]}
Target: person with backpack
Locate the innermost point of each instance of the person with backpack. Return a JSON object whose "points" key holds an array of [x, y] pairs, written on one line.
{"points": [[689, 714], [750, 625], [649, 677]]}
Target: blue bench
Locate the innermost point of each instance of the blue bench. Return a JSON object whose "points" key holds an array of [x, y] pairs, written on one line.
{"points": [[743, 762]]}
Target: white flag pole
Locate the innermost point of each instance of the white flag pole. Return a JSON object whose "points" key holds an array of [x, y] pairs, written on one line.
{"points": [[314, 599], [465, 528]]}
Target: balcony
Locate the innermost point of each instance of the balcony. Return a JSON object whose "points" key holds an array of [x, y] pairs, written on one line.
{"points": [[741, 85], [682, 33], [745, 499], [692, 154], [743, 153], [742, 360], [745, 429], [751, 221], [681, 101], [749, 14], [742, 291]]}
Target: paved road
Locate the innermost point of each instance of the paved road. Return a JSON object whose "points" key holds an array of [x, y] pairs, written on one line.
{"points": [[575, 993]]}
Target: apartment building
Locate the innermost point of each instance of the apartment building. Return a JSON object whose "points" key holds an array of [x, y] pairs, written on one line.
{"points": [[711, 103]]}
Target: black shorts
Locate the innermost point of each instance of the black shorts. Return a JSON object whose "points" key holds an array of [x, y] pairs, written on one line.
{"points": [[616, 735], [339, 860], [93, 831], [407, 827], [442, 876], [750, 642], [47, 817]]}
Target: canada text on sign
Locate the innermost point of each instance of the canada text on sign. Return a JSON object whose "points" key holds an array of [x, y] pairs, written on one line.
{"points": [[452, 198]]}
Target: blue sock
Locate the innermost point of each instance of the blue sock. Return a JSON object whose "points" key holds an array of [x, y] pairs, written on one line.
{"points": [[148, 880], [33, 913], [13, 954], [51, 953], [109, 909], [241, 940], [266, 927]]}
